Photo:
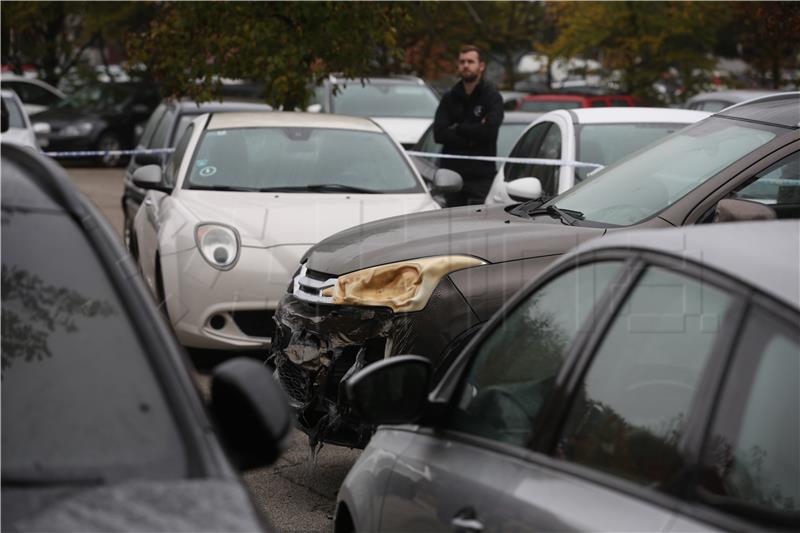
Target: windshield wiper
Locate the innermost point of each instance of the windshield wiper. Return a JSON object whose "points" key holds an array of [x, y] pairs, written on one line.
{"points": [[339, 187], [525, 209], [567, 216]]}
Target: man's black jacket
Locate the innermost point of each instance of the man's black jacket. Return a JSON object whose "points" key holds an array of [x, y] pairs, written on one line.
{"points": [[468, 125]]}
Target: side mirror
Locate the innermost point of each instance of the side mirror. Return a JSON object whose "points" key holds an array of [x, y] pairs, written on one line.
{"points": [[314, 108], [251, 412], [149, 177], [391, 391], [42, 132], [524, 189], [445, 180], [147, 159], [732, 210]]}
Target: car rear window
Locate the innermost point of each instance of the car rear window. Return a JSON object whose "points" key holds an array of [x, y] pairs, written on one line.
{"points": [[542, 106], [80, 401]]}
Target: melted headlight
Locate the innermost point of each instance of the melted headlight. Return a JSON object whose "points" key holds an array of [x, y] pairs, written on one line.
{"points": [[218, 244], [405, 286]]}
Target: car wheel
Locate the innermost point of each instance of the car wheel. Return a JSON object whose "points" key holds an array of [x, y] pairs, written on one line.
{"points": [[109, 141]]}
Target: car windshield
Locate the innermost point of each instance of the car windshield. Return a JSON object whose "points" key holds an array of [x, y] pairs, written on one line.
{"points": [[384, 100], [542, 106], [15, 119], [649, 181], [606, 143], [300, 159], [98, 97]]}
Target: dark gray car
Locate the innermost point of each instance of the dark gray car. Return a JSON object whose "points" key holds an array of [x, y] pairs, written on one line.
{"points": [[102, 425], [365, 294], [648, 382]]}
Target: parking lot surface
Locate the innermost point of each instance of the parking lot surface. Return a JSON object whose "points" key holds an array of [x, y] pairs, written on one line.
{"points": [[297, 492]]}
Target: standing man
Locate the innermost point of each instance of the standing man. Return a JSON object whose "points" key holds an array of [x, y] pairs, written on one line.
{"points": [[467, 120]]}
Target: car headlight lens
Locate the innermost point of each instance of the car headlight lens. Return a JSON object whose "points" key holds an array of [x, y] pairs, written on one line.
{"points": [[405, 286], [78, 129], [218, 244]]}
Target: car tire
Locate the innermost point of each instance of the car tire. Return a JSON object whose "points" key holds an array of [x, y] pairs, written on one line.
{"points": [[109, 141]]}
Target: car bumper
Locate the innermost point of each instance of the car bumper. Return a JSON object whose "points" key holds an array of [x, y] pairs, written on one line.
{"points": [[227, 310], [317, 347]]}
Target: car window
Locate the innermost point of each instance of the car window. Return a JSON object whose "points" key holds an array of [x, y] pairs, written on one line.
{"points": [[543, 106], [80, 401], [752, 456], [33, 94], [598, 103], [549, 149], [152, 123], [513, 371], [778, 187], [631, 410], [298, 158], [428, 145], [617, 195], [384, 100], [161, 134], [712, 106], [174, 164], [620, 102], [15, 119], [180, 127], [526, 146], [606, 143]]}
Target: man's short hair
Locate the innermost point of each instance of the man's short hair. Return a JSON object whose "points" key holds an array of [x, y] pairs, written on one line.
{"points": [[471, 48]]}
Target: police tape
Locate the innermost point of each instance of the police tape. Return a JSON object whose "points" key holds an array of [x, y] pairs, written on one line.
{"points": [[525, 160], [104, 153]]}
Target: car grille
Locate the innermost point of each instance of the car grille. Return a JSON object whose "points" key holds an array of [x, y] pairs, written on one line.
{"points": [[257, 323], [307, 285]]}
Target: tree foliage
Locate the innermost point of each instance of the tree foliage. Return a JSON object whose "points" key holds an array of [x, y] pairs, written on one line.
{"points": [[640, 40], [190, 46], [770, 37]]}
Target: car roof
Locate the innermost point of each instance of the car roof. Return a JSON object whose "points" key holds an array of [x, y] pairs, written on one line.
{"points": [[765, 255], [782, 109], [739, 95], [618, 115], [280, 119], [191, 106]]}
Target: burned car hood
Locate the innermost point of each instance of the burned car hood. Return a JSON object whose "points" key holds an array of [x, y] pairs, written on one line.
{"points": [[489, 233], [180, 505]]}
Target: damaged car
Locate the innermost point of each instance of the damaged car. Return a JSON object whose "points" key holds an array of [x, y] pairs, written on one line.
{"points": [[425, 283]]}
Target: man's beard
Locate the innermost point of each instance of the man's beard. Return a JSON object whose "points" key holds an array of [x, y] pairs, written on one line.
{"points": [[469, 78]]}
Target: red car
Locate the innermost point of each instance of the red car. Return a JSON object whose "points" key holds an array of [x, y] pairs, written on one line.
{"points": [[541, 103]]}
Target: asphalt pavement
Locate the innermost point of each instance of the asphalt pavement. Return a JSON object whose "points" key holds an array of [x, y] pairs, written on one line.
{"points": [[298, 492]]}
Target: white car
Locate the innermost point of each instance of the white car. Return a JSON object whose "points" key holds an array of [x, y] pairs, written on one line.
{"points": [[222, 228], [36, 95], [19, 130], [590, 135]]}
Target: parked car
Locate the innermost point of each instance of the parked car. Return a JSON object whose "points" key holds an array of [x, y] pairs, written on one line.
{"points": [[165, 126], [599, 136], [102, 426], [36, 95], [542, 103], [718, 100], [103, 116], [243, 197], [512, 99], [514, 123], [403, 106], [19, 129], [426, 283], [636, 385]]}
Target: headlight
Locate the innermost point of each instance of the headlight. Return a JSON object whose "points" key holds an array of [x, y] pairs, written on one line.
{"points": [[78, 129], [218, 244], [405, 286]]}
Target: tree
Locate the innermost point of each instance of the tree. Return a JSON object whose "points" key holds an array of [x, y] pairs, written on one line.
{"points": [[770, 37], [190, 46], [54, 35], [641, 40]]}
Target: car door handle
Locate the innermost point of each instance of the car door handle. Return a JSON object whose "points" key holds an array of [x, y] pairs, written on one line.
{"points": [[466, 524]]}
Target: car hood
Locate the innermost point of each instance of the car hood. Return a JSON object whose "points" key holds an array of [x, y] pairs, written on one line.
{"points": [[183, 505], [273, 219], [406, 131], [59, 117], [489, 233]]}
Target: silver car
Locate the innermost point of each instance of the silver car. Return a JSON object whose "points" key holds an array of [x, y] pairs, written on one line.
{"points": [[648, 381]]}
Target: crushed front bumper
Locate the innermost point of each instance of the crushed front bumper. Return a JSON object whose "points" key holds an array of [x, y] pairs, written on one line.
{"points": [[317, 347]]}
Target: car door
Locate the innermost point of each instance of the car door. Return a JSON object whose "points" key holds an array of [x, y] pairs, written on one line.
{"points": [[472, 471], [149, 215], [750, 468]]}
